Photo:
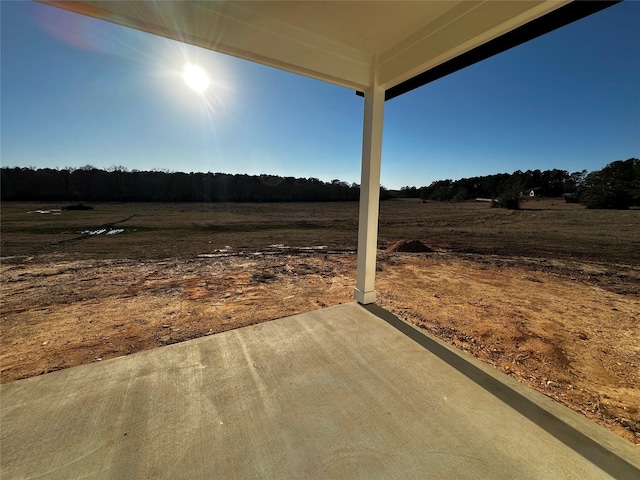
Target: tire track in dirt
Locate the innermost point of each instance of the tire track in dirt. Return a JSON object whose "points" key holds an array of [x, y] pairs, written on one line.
{"points": [[86, 236]]}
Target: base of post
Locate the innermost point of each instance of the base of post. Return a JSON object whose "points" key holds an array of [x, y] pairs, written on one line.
{"points": [[364, 297]]}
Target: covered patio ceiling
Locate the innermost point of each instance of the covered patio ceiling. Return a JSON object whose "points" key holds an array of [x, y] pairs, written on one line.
{"points": [[342, 41], [381, 49]]}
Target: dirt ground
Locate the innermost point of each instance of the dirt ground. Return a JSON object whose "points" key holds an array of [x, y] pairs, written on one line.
{"points": [[566, 336]]}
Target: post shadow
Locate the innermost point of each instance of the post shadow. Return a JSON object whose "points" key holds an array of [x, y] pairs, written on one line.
{"points": [[585, 446]]}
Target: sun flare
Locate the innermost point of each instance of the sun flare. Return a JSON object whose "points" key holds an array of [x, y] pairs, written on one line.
{"points": [[196, 78]]}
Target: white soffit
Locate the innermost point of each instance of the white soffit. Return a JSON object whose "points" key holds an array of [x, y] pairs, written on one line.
{"points": [[334, 41]]}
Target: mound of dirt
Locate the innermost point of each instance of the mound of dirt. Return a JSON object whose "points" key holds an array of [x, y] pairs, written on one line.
{"points": [[409, 246]]}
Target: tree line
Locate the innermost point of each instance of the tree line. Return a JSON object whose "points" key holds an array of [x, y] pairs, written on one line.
{"points": [[117, 184], [615, 186]]}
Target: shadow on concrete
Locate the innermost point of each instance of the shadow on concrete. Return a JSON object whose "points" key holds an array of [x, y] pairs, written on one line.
{"points": [[591, 450]]}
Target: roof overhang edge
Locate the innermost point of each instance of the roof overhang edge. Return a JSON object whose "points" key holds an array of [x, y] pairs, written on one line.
{"points": [[560, 17]]}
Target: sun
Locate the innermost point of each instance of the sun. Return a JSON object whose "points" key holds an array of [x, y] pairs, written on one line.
{"points": [[196, 78]]}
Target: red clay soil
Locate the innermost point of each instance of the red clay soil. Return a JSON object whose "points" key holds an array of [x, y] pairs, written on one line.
{"points": [[566, 335]]}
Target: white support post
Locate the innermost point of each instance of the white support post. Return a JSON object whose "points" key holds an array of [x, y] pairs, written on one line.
{"points": [[369, 193]]}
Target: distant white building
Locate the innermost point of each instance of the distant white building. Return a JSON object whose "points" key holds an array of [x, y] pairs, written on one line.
{"points": [[531, 192]]}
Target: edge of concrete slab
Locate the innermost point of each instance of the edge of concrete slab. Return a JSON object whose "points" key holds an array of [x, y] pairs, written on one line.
{"points": [[613, 454]]}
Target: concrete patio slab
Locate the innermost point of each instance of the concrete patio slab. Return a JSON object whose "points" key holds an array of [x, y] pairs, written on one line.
{"points": [[345, 392]]}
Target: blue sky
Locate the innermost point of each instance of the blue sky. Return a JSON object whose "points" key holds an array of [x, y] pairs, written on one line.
{"points": [[77, 91]]}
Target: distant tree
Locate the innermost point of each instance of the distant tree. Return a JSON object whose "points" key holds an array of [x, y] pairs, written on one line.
{"points": [[408, 192], [510, 196], [575, 181], [12, 183], [461, 193], [616, 186], [553, 182], [440, 190]]}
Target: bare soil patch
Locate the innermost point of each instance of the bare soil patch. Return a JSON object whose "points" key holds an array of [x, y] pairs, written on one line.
{"points": [[564, 323]]}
